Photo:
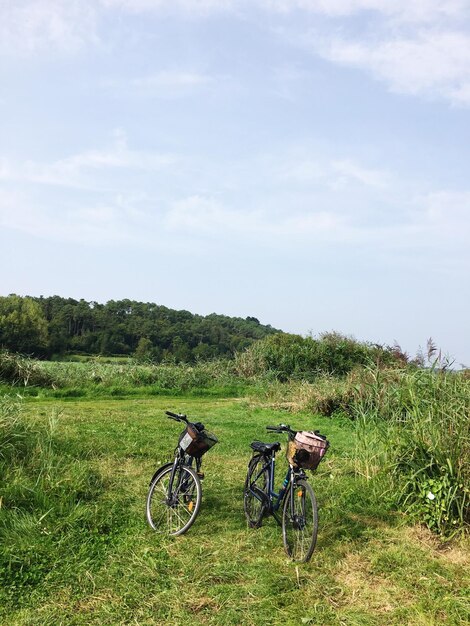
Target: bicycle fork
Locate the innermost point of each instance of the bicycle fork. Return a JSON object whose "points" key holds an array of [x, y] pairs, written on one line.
{"points": [[172, 495], [298, 519]]}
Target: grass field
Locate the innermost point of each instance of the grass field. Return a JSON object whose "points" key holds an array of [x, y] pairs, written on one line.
{"points": [[76, 548]]}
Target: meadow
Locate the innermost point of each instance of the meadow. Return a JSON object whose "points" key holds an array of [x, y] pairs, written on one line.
{"points": [[75, 548], [79, 442]]}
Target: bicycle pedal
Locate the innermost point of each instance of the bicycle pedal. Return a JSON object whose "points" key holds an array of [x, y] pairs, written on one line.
{"points": [[200, 475]]}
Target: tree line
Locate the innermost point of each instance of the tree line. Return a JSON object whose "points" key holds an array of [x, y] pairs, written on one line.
{"points": [[48, 327]]}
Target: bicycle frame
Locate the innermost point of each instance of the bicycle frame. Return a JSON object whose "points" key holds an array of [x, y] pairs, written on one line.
{"points": [[180, 459], [274, 499]]}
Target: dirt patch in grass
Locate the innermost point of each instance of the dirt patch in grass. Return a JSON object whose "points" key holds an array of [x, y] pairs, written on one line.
{"points": [[455, 552], [203, 603], [364, 588]]}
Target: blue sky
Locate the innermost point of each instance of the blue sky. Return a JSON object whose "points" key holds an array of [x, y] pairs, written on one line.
{"points": [[302, 161]]}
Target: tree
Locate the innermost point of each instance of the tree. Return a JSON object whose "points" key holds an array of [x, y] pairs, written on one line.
{"points": [[117, 327], [23, 325], [144, 349]]}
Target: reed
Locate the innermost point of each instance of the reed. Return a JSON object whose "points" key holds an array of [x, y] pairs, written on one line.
{"points": [[420, 420]]}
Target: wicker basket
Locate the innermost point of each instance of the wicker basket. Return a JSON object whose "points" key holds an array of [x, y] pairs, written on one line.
{"points": [[195, 442]]}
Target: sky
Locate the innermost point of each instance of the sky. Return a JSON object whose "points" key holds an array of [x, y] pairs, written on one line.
{"points": [[305, 162]]}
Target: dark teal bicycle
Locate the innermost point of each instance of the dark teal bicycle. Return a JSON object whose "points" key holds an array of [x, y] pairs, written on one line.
{"points": [[296, 499]]}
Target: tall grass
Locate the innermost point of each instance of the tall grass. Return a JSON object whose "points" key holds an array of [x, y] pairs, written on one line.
{"points": [[88, 378], [427, 440], [22, 371], [413, 431], [49, 513]]}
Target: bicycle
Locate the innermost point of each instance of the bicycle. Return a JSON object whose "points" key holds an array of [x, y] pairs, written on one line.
{"points": [[299, 518], [175, 491]]}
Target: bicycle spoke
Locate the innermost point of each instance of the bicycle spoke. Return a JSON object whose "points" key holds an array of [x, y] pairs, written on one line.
{"points": [[256, 481], [175, 493], [299, 522], [178, 508]]}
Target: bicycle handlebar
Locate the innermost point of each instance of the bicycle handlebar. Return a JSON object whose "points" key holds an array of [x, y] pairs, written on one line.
{"points": [[281, 428], [177, 417], [180, 417]]}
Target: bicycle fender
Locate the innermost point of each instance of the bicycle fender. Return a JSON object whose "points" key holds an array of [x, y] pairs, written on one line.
{"points": [[160, 469]]}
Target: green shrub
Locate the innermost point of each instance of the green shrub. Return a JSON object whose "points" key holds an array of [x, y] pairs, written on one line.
{"points": [[422, 417], [305, 358], [413, 429], [23, 371]]}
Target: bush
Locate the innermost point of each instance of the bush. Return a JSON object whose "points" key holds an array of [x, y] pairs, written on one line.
{"points": [[306, 358], [413, 431], [19, 370], [422, 417]]}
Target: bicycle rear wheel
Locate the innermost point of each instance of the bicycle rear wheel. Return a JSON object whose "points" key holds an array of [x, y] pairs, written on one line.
{"points": [[300, 521], [174, 513], [255, 495]]}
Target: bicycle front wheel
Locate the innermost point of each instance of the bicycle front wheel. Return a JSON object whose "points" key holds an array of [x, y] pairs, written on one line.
{"points": [[174, 513], [255, 495], [300, 521]]}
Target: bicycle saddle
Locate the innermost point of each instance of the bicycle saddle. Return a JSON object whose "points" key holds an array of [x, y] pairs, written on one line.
{"points": [[265, 448]]}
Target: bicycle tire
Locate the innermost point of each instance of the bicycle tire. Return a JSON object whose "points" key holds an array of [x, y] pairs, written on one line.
{"points": [[178, 517], [299, 534], [253, 507]]}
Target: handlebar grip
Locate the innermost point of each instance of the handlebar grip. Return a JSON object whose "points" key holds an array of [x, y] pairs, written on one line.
{"points": [[280, 428], [175, 416]]}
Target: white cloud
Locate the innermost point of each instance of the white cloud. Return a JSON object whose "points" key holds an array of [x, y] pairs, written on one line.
{"points": [[420, 47], [79, 170], [199, 7], [95, 225], [335, 173], [170, 83], [426, 224], [205, 216], [170, 80], [432, 63], [434, 223], [350, 170], [302, 197], [402, 10], [27, 27]]}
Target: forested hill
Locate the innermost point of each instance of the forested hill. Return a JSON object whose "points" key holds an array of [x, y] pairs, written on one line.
{"points": [[54, 325]]}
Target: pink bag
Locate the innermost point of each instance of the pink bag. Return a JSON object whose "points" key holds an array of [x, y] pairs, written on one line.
{"points": [[307, 449]]}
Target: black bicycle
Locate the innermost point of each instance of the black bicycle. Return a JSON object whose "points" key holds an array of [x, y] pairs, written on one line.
{"points": [[175, 491], [299, 518]]}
